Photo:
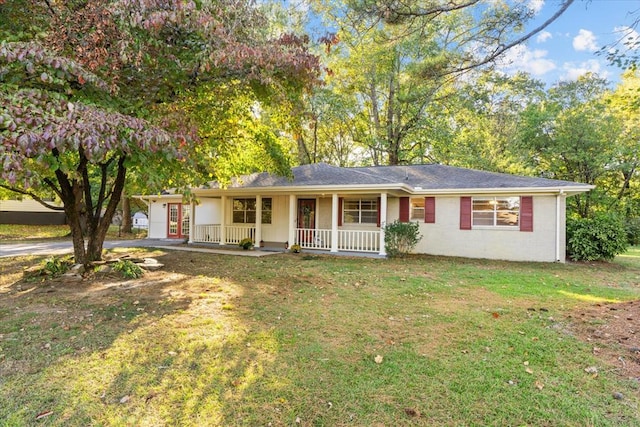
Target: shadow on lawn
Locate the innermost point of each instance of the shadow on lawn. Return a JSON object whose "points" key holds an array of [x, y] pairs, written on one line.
{"points": [[172, 347]]}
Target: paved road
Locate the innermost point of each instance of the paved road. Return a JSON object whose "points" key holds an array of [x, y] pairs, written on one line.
{"points": [[59, 248]]}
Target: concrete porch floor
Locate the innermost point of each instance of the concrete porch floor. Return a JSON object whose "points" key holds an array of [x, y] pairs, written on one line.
{"points": [[260, 252]]}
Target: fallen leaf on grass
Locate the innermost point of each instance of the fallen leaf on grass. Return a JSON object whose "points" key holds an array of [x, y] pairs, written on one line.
{"points": [[539, 385], [41, 415], [378, 359], [125, 399], [495, 315], [528, 371]]}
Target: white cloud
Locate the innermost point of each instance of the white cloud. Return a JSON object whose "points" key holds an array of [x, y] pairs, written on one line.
{"points": [[521, 58], [544, 36], [585, 41], [572, 71], [536, 6]]}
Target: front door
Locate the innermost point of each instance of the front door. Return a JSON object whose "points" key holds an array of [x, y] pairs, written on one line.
{"points": [[178, 224], [306, 219]]}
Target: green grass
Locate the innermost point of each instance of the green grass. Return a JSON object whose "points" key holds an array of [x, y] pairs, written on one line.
{"points": [[221, 340], [15, 233]]}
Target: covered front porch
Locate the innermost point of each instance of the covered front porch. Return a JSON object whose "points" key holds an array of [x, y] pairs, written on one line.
{"points": [[313, 222]]}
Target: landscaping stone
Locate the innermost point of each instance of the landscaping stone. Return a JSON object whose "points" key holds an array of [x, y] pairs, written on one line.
{"points": [[150, 264]]}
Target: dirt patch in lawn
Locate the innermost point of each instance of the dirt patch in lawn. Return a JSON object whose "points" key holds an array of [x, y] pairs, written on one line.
{"points": [[613, 330]]}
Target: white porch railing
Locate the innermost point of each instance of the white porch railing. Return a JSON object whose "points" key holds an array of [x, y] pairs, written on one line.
{"points": [[313, 238], [359, 240], [209, 233], [235, 233], [212, 233], [348, 240]]}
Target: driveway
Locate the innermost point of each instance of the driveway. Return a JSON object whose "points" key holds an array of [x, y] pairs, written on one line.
{"points": [[59, 248]]}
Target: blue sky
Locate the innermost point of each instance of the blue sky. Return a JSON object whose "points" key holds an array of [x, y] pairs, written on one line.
{"points": [[567, 48]]}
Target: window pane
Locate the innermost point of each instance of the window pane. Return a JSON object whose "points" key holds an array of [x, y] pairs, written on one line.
{"points": [[251, 217], [511, 204], [266, 204], [266, 217], [250, 204], [350, 217], [238, 204], [483, 204], [483, 218], [507, 218], [369, 217], [238, 217], [368, 205], [352, 205]]}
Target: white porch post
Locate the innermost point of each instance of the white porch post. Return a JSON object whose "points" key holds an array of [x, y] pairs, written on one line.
{"points": [[192, 221], [334, 222], [383, 221], [292, 219], [223, 214], [258, 236]]}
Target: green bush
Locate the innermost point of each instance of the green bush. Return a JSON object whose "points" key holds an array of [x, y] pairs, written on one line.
{"points": [[128, 269], [400, 238], [599, 238], [246, 243], [633, 231]]}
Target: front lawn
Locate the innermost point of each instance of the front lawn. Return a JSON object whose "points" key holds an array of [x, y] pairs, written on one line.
{"points": [[299, 339]]}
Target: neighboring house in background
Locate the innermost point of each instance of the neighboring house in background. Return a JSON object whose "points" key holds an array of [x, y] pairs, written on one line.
{"points": [[30, 212], [139, 220], [461, 212]]}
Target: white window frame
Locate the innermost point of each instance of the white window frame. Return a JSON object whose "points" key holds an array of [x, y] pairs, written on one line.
{"points": [[496, 212], [359, 211], [416, 209]]}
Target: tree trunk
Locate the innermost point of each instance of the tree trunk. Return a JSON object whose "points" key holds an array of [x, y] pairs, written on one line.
{"points": [[126, 214], [96, 239]]}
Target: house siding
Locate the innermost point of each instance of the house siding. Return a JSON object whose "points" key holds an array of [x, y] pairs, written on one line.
{"points": [[158, 220], [29, 212], [446, 238]]}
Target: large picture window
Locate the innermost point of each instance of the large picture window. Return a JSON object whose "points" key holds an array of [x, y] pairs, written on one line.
{"points": [[496, 211], [244, 211], [360, 211]]}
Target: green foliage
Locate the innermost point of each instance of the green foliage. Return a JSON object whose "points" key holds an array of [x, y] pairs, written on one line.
{"points": [[400, 238], [128, 269], [295, 249], [246, 243], [601, 237], [633, 231], [56, 266]]}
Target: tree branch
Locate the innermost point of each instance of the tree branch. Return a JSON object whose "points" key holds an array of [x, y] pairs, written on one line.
{"points": [[33, 196], [503, 48]]}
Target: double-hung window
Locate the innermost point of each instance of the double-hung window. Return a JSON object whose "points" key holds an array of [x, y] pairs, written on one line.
{"points": [[417, 208], [496, 211], [360, 211], [244, 210]]}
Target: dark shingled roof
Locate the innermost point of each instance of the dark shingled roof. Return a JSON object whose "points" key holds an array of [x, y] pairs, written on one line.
{"points": [[425, 177]]}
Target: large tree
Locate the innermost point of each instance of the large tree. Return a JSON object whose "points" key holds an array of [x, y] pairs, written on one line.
{"points": [[573, 134], [399, 62], [93, 90]]}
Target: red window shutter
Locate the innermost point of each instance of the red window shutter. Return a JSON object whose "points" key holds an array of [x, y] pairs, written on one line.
{"points": [[378, 224], [465, 213], [404, 209], [340, 211], [430, 210], [526, 213]]}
